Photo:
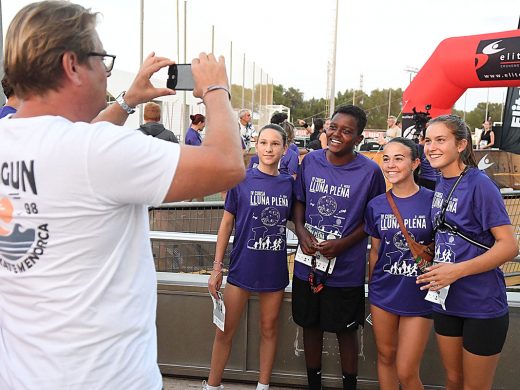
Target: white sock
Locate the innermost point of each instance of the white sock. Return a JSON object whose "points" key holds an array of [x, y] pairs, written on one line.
{"points": [[208, 387], [261, 386]]}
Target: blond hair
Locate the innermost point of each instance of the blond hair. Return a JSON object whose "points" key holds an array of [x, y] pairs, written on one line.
{"points": [[152, 112], [36, 40]]}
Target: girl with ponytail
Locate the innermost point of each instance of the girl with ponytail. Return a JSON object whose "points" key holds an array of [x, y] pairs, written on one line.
{"points": [[473, 239]]}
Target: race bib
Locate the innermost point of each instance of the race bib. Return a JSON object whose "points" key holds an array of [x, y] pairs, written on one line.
{"points": [[321, 261]]}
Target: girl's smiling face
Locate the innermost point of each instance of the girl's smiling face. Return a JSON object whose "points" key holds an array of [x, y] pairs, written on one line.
{"points": [[443, 150], [398, 165]]}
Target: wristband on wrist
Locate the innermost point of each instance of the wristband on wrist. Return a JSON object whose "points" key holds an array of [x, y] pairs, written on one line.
{"points": [[216, 88], [124, 105]]}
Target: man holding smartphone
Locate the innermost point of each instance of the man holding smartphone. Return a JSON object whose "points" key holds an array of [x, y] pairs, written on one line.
{"points": [[77, 278]]}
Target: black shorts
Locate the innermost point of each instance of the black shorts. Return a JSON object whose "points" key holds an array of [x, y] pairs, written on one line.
{"points": [[483, 337], [334, 309]]}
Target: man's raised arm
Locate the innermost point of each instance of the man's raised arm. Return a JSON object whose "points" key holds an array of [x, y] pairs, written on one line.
{"points": [[217, 164]]}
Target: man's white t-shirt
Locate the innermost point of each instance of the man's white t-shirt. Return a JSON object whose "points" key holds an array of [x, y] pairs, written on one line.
{"points": [[393, 132], [78, 286], [247, 132]]}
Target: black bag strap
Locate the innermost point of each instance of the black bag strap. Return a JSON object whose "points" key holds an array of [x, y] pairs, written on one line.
{"points": [[451, 228], [442, 215]]}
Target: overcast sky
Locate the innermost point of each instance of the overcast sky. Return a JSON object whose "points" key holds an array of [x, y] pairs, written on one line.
{"points": [[291, 39]]}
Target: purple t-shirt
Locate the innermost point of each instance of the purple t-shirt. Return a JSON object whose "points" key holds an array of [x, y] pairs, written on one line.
{"points": [[192, 137], [6, 110], [261, 205], [475, 207], [288, 163], [335, 199], [393, 285], [294, 148], [427, 172]]}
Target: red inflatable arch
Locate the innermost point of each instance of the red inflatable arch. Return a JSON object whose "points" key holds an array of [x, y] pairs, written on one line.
{"points": [[477, 61]]}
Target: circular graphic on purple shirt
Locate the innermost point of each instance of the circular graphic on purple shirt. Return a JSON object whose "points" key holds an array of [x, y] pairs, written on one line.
{"points": [[400, 240], [327, 205], [270, 216]]}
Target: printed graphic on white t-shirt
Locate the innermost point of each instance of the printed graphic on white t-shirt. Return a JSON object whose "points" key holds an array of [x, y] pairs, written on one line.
{"points": [[21, 245]]}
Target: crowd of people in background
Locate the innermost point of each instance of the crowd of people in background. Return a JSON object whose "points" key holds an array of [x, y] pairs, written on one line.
{"points": [[88, 181]]}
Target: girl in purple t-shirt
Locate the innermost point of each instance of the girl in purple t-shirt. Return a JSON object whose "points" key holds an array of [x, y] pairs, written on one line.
{"points": [[258, 208], [470, 310], [401, 317]]}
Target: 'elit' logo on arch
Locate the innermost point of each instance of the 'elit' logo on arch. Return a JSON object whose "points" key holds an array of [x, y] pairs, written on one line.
{"points": [[498, 59]]}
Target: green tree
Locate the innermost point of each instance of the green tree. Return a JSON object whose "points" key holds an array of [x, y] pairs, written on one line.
{"points": [[375, 104], [476, 117]]}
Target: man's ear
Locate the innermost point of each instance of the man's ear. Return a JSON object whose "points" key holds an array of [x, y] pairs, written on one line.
{"points": [[71, 67]]}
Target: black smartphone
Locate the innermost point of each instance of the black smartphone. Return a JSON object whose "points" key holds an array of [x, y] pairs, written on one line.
{"points": [[180, 77]]}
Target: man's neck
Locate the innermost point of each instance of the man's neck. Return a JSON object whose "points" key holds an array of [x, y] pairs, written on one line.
{"points": [[243, 123], [13, 101], [54, 103], [340, 158]]}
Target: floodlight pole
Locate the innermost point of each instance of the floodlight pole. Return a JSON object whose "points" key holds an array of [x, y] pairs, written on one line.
{"points": [[332, 91]]}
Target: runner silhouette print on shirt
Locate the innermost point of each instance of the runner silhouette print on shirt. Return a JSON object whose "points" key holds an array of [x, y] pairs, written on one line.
{"points": [[269, 232]]}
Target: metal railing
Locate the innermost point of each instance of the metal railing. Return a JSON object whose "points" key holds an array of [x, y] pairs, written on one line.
{"points": [[184, 234]]}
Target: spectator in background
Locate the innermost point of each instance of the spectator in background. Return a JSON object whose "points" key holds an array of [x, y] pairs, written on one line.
{"points": [[291, 159], [326, 125], [312, 132], [247, 131], [323, 137], [198, 121], [279, 117], [289, 129], [12, 103], [152, 126], [314, 142], [487, 137], [393, 130]]}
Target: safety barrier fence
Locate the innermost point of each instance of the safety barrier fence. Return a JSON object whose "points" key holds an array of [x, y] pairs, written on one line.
{"points": [[184, 234]]}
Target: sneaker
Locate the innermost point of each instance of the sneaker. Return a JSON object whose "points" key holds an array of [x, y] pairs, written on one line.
{"points": [[205, 386]]}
